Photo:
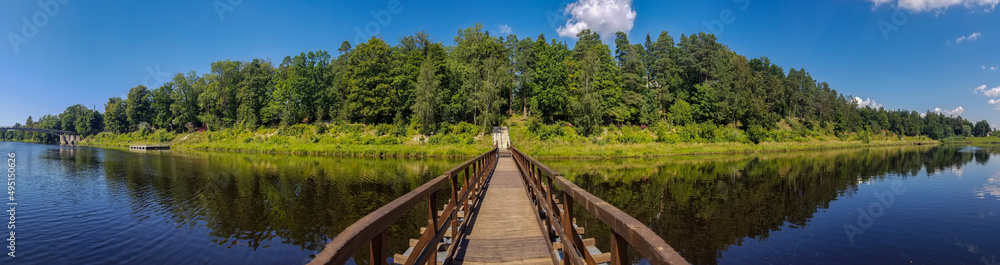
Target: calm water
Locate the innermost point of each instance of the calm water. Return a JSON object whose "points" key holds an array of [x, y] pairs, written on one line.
{"points": [[100, 206], [925, 205], [938, 205]]}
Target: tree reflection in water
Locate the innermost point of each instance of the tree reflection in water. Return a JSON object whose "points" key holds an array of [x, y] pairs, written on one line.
{"points": [[702, 205], [253, 201]]}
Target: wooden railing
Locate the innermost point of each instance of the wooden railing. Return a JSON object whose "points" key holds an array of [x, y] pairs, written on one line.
{"points": [[625, 230], [373, 229]]}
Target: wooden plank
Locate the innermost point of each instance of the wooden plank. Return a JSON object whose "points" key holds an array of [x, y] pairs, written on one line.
{"points": [[504, 228]]}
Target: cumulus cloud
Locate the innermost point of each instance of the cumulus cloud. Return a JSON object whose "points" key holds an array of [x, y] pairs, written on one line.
{"points": [[938, 5], [992, 92], [867, 102], [505, 29], [971, 37], [602, 16], [995, 103], [950, 113]]}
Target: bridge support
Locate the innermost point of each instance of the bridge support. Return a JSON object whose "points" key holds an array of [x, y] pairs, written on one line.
{"points": [[70, 140]]}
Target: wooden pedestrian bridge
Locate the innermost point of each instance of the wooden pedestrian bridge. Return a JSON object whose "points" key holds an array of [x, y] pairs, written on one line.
{"points": [[504, 208]]}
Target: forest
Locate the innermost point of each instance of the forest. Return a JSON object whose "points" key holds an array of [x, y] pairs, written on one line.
{"points": [[485, 80]]}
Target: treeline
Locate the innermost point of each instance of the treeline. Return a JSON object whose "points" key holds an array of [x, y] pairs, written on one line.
{"points": [[484, 79]]}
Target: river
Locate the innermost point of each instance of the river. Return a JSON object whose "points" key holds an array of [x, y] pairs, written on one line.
{"points": [[81, 205]]}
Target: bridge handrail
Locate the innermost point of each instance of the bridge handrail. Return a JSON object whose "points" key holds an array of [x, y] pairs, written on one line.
{"points": [[625, 230], [37, 130], [373, 228]]}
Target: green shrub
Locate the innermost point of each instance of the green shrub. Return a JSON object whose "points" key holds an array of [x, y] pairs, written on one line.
{"points": [[319, 128], [690, 133], [387, 140], [383, 129], [757, 134]]}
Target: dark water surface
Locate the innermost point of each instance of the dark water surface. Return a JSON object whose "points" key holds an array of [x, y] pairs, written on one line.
{"points": [[925, 205], [897, 205], [79, 205]]}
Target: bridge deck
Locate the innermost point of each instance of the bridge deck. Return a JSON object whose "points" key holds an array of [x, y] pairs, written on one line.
{"points": [[504, 230]]}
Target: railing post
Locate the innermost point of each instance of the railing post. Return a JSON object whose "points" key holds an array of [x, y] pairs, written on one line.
{"points": [[456, 203], [431, 224], [567, 223], [619, 251], [473, 192], [551, 206], [379, 248]]}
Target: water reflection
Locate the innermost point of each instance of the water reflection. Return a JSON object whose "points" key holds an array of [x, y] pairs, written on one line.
{"points": [[991, 188], [255, 201], [704, 205]]}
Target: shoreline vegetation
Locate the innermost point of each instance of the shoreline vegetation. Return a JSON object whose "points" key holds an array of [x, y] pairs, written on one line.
{"points": [[539, 140], [425, 98]]}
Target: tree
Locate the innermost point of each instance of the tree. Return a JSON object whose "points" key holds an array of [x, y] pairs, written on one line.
{"points": [[482, 61], [90, 122], [680, 113], [344, 47], [368, 81], [550, 88], [252, 93], [587, 110], [160, 103], [981, 129], [137, 107], [115, 117], [184, 106], [425, 107], [637, 99]]}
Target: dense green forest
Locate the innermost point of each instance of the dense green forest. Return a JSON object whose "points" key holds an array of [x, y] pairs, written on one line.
{"points": [[484, 80]]}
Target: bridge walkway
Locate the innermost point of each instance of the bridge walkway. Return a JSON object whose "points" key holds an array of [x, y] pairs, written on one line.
{"points": [[504, 230]]}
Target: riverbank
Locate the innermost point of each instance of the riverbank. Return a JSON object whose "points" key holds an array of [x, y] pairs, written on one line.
{"points": [[972, 140], [456, 141], [463, 140], [576, 151], [561, 140]]}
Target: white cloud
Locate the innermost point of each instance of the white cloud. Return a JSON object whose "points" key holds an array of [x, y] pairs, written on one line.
{"points": [[995, 103], [994, 68], [867, 102], [950, 113], [992, 92], [971, 37], [938, 5], [505, 29], [602, 16]]}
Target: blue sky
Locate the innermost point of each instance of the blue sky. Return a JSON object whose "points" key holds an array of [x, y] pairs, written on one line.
{"points": [[934, 55]]}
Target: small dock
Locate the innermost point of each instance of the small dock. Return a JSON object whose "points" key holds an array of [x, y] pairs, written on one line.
{"points": [[148, 147]]}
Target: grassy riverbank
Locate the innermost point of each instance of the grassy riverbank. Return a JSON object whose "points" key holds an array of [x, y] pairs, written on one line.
{"points": [[463, 140], [562, 141], [972, 140]]}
